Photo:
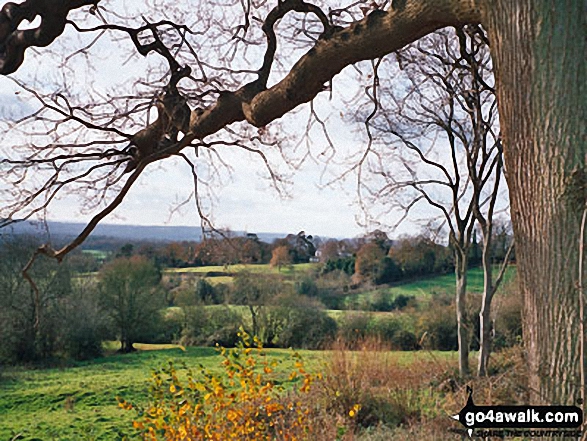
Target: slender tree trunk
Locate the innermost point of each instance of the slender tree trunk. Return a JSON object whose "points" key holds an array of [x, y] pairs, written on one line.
{"points": [[485, 313], [539, 48], [462, 319], [254, 320], [490, 287]]}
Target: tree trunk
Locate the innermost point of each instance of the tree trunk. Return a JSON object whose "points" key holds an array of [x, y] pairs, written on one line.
{"points": [[126, 345], [490, 287], [254, 320], [461, 262], [539, 49], [485, 313]]}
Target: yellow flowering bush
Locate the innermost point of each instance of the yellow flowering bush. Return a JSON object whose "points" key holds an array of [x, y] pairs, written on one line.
{"points": [[245, 403]]}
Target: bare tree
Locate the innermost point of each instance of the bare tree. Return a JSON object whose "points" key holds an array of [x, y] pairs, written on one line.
{"points": [[437, 150], [540, 70]]}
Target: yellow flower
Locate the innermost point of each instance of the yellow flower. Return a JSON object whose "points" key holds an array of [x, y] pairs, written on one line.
{"points": [[354, 410]]}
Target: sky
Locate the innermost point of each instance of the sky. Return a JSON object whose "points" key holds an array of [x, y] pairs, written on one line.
{"points": [[244, 201]]}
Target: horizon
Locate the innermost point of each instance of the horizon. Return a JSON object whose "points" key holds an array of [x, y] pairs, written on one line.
{"points": [[101, 225]]}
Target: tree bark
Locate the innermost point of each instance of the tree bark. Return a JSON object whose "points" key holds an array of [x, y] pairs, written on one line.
{"points": [[539, 48], [485, 313], [461, 262], [490, 287]]}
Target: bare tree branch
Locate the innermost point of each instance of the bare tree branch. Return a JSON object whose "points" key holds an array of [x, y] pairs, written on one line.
{"points": [[14, 42]]}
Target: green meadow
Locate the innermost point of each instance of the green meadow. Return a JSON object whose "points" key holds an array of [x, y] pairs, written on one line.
{"points": [[426, 288], [421, 289], [78, 402], [255, 269]]}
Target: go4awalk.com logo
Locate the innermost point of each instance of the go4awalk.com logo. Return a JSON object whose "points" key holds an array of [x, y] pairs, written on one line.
{"points": [[517, 420]]}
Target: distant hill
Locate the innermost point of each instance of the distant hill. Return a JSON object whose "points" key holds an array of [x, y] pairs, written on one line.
{"points": [[61, 231]]}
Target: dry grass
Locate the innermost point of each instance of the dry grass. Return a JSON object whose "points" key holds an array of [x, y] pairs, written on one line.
{"points": [[387, 393], [403, 401]]}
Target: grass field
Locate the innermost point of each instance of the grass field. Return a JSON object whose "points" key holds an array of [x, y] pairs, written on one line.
{"points": [[223, 274], [424, 289], [421, 289], [79, 402], [255, 269], [97, 254]]}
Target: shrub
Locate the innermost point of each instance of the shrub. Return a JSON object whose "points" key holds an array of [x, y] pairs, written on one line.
{"points": [[384, 391], [203, 293], [437, 326], [166, 327], [394, 331], [418, 256], [302, 323], [405, 340], [381, 301], [195, 320], [389, 271], [509, 367], [508, 320], [306, 286], [344, 264], [308, 329], [384, 328], [210, 326], [31, 328], [245, 403], [206, 293], [353, 327], [402, 301], [85, 324]]}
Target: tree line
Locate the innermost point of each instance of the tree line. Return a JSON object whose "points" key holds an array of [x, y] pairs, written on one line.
{"points": [[129, 300]]}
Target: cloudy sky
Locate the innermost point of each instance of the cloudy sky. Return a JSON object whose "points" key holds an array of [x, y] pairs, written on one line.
{"points": [[246, 202], [243, 201]]}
